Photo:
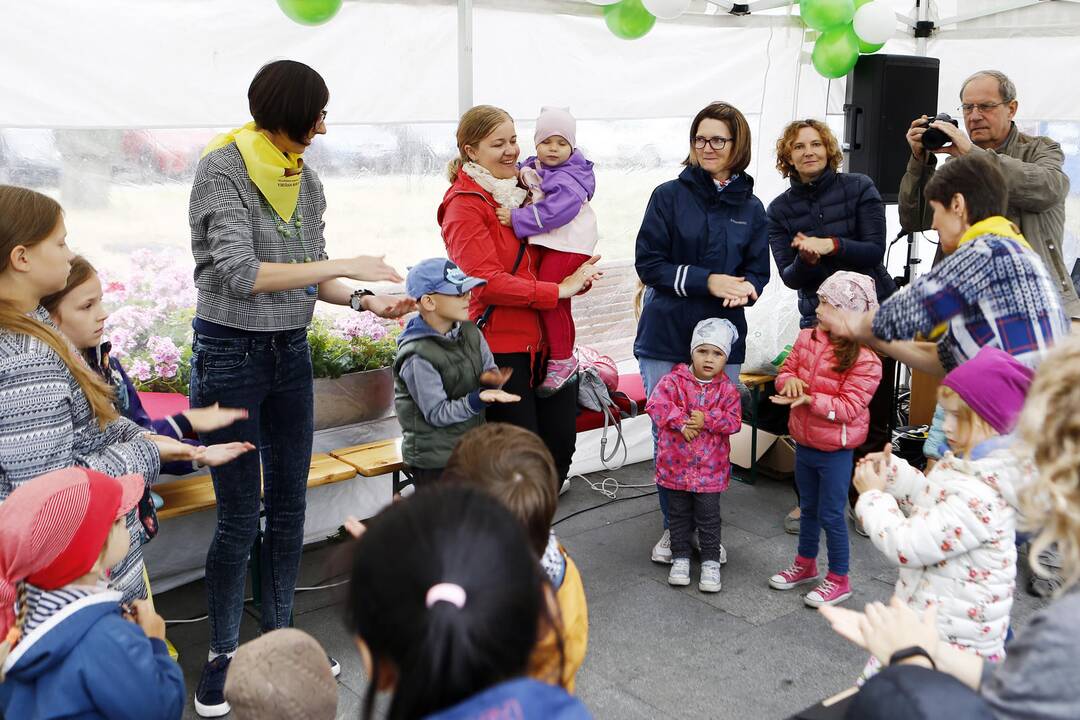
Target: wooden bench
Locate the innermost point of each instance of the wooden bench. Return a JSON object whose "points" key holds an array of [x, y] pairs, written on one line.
{"points": [[190, 495], [376, 458]]}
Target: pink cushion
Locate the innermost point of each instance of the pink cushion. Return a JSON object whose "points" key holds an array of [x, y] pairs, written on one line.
{"points": [[160, 405]]}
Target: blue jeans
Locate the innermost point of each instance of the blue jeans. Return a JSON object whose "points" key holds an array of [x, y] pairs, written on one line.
{"points": [[823, 479], [270, 377], [652, 371]]}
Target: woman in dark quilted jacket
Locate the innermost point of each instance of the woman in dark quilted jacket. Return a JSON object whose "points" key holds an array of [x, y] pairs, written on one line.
{"points": [[829, 221]]}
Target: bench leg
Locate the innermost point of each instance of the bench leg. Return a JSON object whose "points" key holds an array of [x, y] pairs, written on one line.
{"points": [[398, 483], [755, 396]]}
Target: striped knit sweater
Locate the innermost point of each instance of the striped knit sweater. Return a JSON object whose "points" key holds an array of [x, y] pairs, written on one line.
{"points": [[46, 423]]}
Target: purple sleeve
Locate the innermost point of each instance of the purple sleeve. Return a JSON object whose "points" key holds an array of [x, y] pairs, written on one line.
{"points": [[563, 198]]}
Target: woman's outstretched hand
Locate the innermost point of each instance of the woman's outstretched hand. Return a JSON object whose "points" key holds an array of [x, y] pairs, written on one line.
{"points": [[578, 280], [368, 268]]}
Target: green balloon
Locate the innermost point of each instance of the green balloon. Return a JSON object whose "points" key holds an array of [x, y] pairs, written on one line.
{"points": [[628, 19], [860, 3], [309, 12], [866, 48], [822, 15], [836, 52]]}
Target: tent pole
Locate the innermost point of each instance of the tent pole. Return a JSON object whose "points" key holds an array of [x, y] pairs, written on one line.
{"points": [[465, 55], [923, 14]]}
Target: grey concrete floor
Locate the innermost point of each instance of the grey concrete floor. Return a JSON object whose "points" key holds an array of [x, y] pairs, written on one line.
{"points": [[654, 651]]}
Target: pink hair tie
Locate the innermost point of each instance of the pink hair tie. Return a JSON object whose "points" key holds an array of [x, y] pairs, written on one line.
{"points": [[446, 592]]}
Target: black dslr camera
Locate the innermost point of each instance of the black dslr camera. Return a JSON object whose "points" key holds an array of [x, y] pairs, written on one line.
{"points": [[934, 139]]}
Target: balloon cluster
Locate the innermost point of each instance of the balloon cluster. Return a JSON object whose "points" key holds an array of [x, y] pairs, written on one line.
{"points": [[848, 28], [631, 19], [310, 12]]}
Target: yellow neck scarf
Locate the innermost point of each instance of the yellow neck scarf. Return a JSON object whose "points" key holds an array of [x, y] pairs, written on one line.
{"points": [[996, 225], [276, 174]]}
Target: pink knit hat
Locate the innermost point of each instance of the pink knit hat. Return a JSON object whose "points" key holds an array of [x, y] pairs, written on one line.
{"points": [[848, 290], [556, 121], [53, 528], [994, 384]]}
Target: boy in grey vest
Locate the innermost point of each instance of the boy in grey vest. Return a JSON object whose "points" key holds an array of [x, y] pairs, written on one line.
{"points": [[444, 372]]}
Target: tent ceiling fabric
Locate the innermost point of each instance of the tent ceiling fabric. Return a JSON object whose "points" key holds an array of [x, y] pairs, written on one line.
{"points": [[165, 63]]}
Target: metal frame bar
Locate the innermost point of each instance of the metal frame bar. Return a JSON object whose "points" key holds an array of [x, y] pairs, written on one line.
{"points": [[465, 55]]}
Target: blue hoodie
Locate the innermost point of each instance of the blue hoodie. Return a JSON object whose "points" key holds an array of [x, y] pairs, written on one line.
{"points": [[86, 662], [520, 699]]}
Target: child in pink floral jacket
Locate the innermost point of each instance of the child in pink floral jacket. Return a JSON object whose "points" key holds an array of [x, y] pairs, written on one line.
{"points": [[952, 532], [695, 409]]}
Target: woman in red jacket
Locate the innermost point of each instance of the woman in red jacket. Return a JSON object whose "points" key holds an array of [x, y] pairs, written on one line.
{"points": [[482, 178]]}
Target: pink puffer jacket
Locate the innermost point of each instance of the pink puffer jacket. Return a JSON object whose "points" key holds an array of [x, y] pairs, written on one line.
{"points": [[838, 417]]}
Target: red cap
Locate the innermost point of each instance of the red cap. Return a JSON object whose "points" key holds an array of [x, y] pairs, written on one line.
{"points": [[53, 528]]}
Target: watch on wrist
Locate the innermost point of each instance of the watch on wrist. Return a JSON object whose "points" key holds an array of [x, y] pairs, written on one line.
{"points": [[913, 651], [354, 299]]}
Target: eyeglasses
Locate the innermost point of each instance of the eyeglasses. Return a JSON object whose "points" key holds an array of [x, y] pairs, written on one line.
{"points": [[984, 108], [717, 143]]}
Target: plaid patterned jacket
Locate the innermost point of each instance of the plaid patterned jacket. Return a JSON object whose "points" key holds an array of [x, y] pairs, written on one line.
{"points": [[233, 230], [991, 291]]}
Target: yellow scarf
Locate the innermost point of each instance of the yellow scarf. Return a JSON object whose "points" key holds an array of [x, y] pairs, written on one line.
{"points": [[996, 225], [276, 174]]}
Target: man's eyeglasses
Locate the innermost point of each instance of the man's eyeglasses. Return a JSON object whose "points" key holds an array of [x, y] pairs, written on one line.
{"points": [[984, 108], [717, 143]]}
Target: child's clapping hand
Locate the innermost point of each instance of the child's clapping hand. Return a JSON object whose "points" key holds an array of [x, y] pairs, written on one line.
{"points": [[793, 388], [504, 215], [690, 434], [869, 476], [498, 396], [496, 378]]}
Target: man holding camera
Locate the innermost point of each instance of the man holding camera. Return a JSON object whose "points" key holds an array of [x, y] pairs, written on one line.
{"points": [[1032, 167]]}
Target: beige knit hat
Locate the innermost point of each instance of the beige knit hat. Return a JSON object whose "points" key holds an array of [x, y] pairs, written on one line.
{"points": [[283, 675]]}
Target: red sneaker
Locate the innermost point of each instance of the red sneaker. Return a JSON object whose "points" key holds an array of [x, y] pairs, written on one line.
{"points": [[834, 590], [803, 570]]}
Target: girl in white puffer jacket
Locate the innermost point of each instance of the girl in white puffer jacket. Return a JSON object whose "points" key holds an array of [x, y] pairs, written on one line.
{"points": [[952, 533]]}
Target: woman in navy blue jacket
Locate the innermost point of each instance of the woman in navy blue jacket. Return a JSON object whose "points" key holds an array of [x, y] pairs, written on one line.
{"points": [[829, 221], [702, 252]]}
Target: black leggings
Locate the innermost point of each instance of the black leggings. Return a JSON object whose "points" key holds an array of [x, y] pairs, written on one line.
{"points": [[552, 418]]}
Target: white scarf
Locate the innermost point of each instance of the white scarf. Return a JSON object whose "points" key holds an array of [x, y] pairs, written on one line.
{"points": [[506, 192]]}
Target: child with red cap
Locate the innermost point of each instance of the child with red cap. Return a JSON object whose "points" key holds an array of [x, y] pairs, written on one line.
{"points": [[67, 651], [952, 532]]}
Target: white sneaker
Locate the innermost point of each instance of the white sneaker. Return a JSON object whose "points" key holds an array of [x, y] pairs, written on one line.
{"points": [[565, 487], [680, 573], [661, 552], [723, 555], [710, 577]]}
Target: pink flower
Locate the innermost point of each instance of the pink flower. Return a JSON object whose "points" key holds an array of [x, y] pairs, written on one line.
{"points": [[167, 370], [357, 325], [121, 341], [163, 351], [140, 370]]}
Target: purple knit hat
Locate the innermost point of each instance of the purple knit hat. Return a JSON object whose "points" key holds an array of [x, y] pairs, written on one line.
{"points": [[994, 384], [848, 290]]}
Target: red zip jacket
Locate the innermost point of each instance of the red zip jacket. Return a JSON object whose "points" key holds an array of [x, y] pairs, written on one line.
{"points": [[838, 417], [485, 248]]}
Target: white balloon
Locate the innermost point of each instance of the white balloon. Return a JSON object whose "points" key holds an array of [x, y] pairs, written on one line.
{"points": [[666, 9], [875, 22], [604, 2]]}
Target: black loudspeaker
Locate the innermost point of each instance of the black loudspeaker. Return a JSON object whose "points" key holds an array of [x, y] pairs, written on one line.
{"points": [[884, 94]]}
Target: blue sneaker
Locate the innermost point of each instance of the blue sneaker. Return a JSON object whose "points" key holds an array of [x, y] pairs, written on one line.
{"points": [[210, 695]]}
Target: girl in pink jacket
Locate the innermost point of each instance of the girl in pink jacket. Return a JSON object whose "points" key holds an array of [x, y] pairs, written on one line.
{"points": [[695, 409], [828, 383]]}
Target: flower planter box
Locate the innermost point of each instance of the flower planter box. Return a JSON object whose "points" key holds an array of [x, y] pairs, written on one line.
{"points": [[354, 398]]}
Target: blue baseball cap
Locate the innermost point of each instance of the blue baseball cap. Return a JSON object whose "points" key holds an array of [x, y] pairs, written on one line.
{"points": [[438, 275]]}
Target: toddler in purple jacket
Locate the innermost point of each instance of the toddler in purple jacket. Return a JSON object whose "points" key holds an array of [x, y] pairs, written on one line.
{"points": [[558, 218]]}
